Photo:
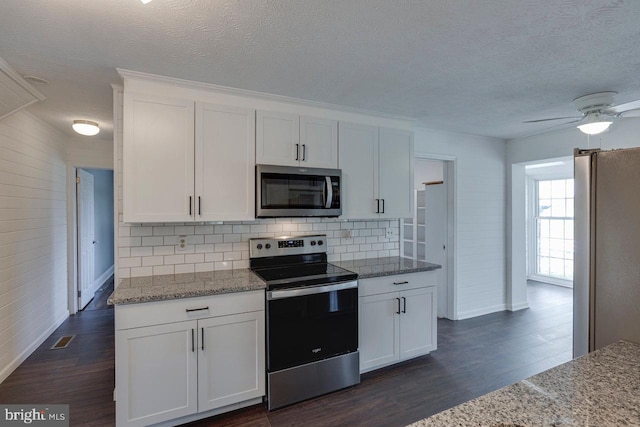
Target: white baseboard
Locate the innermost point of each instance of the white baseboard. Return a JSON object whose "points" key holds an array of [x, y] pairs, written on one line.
{"points": [[481, 311], [27, 352], [518, 306], [103, 278]]}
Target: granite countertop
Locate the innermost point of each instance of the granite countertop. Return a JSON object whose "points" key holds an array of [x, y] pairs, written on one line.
{"points": [[172, 286], [387, 266], [599, 389]]}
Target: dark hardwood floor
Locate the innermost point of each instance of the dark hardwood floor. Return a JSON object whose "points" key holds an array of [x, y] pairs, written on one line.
{"points": [[99, 301], [474, 357]]}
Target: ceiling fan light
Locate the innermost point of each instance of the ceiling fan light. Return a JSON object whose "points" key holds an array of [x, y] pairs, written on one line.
{"points": [[85, 127], [594, 124]]}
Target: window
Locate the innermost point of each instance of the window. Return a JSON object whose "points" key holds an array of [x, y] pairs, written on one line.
{"points": [[554, 228]]}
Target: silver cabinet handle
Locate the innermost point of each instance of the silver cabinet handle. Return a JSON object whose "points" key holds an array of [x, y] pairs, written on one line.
{"points": [[401, 283]]}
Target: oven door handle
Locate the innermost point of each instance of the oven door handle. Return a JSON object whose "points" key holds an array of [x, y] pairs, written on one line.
{"points": [[329, 197], [311, 290]]}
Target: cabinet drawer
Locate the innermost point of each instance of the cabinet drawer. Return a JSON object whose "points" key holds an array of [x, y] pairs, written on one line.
{"points": [[159, 312], [396, 283]]}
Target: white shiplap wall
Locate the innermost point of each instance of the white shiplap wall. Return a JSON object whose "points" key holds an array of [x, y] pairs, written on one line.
{"points": [[480, 226], [33, 236]]}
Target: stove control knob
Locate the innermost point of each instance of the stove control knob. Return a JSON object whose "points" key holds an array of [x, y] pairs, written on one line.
{"points": [[259, 246], [313, 243], [320, 242], [267, 246]]}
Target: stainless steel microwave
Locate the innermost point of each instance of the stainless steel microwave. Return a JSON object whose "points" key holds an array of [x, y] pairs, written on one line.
{"points": [[288, 191]]}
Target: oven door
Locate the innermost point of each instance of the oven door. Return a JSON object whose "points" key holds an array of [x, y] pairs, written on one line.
{"points": [[309, 324], [283, 191]]}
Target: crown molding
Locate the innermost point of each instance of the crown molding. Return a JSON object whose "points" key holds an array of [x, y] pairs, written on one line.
{"points": [[138, 75]]}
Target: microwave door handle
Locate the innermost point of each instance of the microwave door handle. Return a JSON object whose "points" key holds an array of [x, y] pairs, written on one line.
{"points": [[329, 198]]}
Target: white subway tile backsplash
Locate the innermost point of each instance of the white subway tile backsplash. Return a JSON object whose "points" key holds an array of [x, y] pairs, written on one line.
{"points": [[146, 249], [163, 269], [151, 241], [184, 268], [142, 251]]}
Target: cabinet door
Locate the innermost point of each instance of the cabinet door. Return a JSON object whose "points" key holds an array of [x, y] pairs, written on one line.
{"points": [[396, 173], [417, 322], [158, 150], [277, 139], [225, 163], [379, 330], [358, 159], [231, 365], [156, 373], [318, 142]]}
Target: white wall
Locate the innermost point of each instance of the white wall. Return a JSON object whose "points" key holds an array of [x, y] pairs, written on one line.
{"points": [[480, 217], [624, 133], [427, 171], [33, 245], [103, 222]]}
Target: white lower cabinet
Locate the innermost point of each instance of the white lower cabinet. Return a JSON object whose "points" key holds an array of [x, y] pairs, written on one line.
{"points": [[397, 318], [189, 369]]}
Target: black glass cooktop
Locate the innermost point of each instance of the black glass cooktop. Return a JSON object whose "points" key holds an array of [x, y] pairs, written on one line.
{"points": [[309, 274]]}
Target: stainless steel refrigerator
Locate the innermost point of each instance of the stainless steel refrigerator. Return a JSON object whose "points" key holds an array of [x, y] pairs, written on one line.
{"points": [[606, 280]]}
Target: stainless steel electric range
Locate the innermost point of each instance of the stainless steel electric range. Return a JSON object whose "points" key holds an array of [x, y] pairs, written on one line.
{"points": [[311, 319]]}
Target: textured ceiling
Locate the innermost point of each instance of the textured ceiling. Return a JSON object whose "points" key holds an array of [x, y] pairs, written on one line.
{"points": [[471, 66]]}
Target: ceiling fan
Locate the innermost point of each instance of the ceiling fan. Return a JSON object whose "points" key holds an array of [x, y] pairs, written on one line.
{"points": [[598, 112]]}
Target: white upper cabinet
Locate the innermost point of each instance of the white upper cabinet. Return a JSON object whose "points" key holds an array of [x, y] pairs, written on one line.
{"points": [[318, 142], [359, 163], [277, 138], [157, 158], [187, 161], [377, 171], [291, 140], [225, 159], [396, 175]]}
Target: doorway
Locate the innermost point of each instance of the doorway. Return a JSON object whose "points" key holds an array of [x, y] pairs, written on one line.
{"points": [[94, 225], [429, 234]]}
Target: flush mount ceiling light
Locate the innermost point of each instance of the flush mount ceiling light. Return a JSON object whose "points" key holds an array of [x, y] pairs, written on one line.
{"points": [[145, 1], [594, 124], [86, 127]]}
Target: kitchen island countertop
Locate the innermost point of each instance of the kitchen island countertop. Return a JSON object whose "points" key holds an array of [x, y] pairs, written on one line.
{"points": [[173, 286], [599, 389], [386, 266]]}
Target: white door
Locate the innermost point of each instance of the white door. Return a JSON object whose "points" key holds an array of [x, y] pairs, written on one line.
{"points": [[396, 173], [436, 237], [156, 373], [86, 238], [234, 371], [318, 142], [358, 159], [417, 322], [379, 330], [278, 138], [158, 150], [225, 163]]}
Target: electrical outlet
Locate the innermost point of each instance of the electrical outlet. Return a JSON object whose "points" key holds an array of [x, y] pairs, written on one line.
{"points": [[389, 232], [182, 244]]}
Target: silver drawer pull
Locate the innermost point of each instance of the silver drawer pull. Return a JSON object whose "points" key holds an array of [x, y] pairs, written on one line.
{"points": [[401, 283], [189, 310]]}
